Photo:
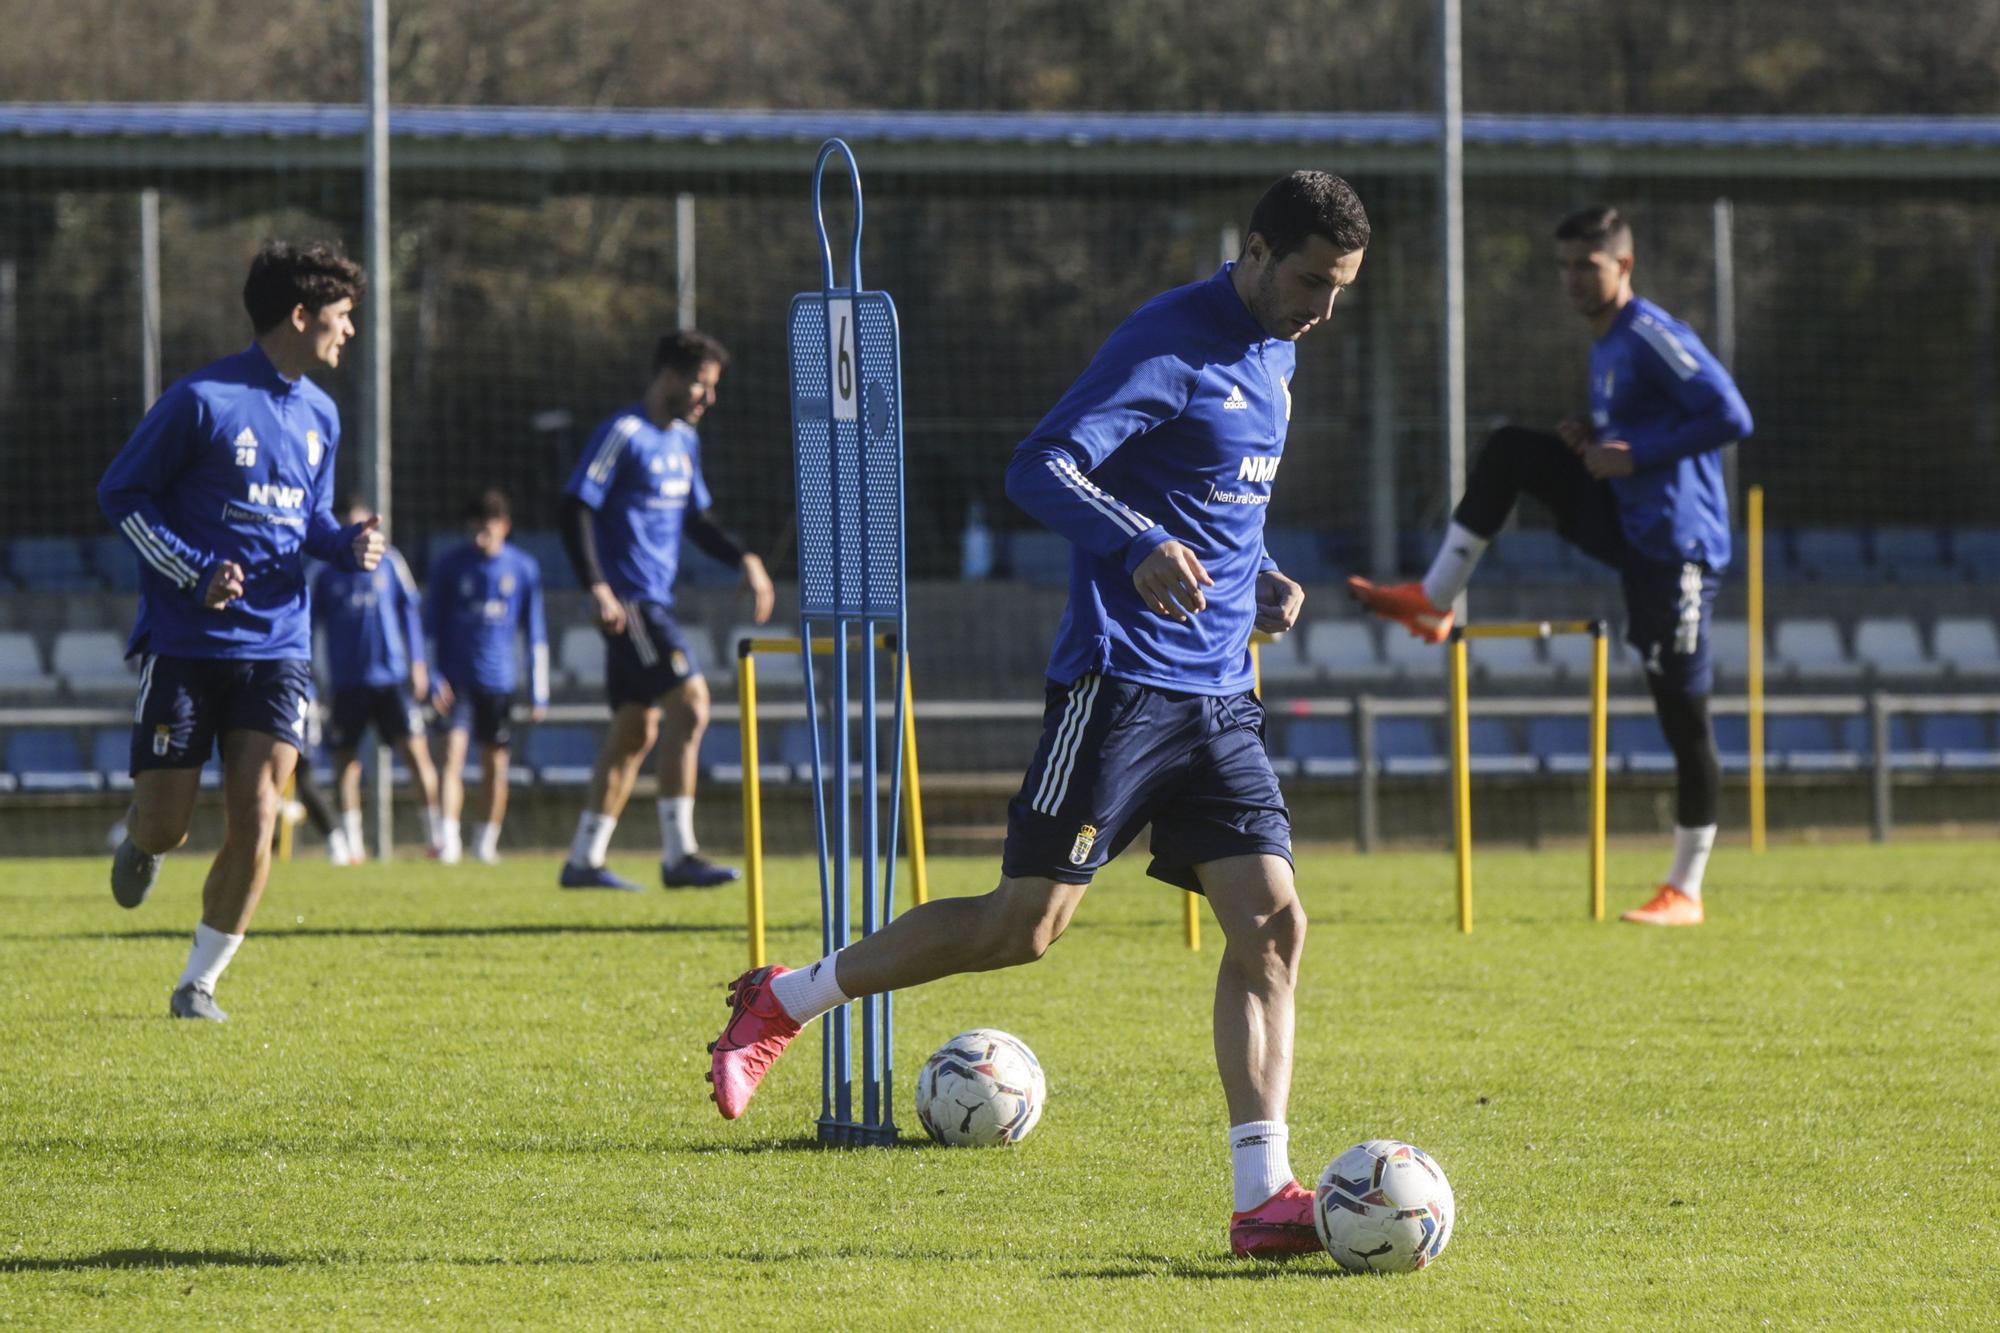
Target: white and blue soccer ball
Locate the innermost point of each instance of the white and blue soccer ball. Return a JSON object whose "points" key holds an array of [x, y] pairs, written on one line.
{"points": [[981, 1088], [1383, 1207]]}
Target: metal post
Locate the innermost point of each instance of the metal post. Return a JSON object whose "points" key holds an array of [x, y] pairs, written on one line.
{"points": [[149, 297], [375, 451], [1380, 307], [1722, 215], [1367, 816], [753, 799], [1878, 805], [1754, 632], [684, 260], [1451, 208], [1461, 779], [1600, 727], [913, 799]]}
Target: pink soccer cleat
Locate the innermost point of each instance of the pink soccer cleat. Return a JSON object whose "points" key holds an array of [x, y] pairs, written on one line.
{"points": [[759, 1029], [1281, 1225]]}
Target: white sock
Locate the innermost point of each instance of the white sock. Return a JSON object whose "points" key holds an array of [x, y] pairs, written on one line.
{"points": [[592, 840], [676, 829], [486, 842], [1260, 1158], [1691, 848], [336, 846], [1451, 568], [211, 953], [810, 991], [350, 821], [431, 821], [448, 840]]}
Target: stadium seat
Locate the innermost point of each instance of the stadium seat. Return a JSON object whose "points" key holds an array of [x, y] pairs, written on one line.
{"points": [[1280, 660], [1569, 656], [561, 754], [1301, 554], [710, 659], [1806, 743], [93, 661], [1408, 746], [1959, 740], [1890, 647], [1912, 555], [1966, 646], [1410, 656], [1857, 735], [721, 754], [547, 548], [1810, 649], [1732, 741], [1729, 648], [581, 653], [1831, 555], [1491, 747], [1321, 746], [795, 743], [1562, 744], [1531, 555], [1346, 650], [1038, 556], [111, 756], [116, 562], [51, 564], [1976, 553], [21, 665], [47, 759], [1640, 745], [1508, 661]]}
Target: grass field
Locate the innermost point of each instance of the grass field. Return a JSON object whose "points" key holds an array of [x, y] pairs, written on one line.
{"points": [[459, 1097]]}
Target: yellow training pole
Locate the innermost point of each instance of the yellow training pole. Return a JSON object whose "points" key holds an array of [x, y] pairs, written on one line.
{"points": [[1600, 690], [753, 800], [1755, 673], [913, 801], [1461, 780]]}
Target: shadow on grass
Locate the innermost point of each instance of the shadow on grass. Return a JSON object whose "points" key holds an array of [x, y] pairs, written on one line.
{"points": [[1306, 1266], [144, 1258], [420, 932], [765, 1146]]}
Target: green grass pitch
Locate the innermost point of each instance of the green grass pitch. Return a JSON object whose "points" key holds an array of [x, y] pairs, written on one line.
{"points": [[458, 1097]]}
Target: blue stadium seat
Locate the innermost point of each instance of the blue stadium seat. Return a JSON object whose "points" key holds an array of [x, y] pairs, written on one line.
{"points": [[1857, 735], [1038, 556], [1831, 555], [721, 754], [111, 756], [1561, 744], [562, 754], [51, 564], [115, 562], [1531, 555], [795, 743], [1492, 749], [48, 759], [1408, 746], [1301, 554], [1640, 746], [1912, 555], [1960, 740], [1806, 743], [1321, 746], [1976, 552], [547, 548], [1732, 741]]}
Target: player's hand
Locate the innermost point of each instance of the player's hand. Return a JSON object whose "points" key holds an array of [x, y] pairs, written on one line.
{"points": [[1613, 458], [610, 611], [443, 698], [1279, 601], [539, 713], [1170, 581], [1575, 433], [369, 543], [420, 680], [225, 585], [762, 595]]}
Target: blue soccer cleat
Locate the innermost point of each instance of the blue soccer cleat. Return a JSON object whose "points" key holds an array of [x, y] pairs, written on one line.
{"points": [[575, 876], [190, 1001], [696, 872], [133, 874]]}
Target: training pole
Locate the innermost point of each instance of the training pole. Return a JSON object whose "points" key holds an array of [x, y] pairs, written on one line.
{"points": [[1755, 673]]}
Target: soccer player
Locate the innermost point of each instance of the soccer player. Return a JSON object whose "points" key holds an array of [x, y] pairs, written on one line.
{"points": [[1157, 464], [224, 488], [481, 595], [1637, 486], [636, 491], [372, 622]]}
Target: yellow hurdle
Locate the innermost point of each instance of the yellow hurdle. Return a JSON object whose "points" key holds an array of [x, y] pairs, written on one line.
{"points": [[1461, 759], [753, 787]]}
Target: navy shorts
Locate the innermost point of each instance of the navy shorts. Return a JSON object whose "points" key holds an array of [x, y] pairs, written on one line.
{"points": [[1116, 757], [651, 658], [1668, 608], [186, 704], [387, 708], [487, 714]]}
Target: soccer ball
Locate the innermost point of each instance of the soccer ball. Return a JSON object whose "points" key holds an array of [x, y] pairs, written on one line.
{"points": [[1383, 1207], [981, 1088]]}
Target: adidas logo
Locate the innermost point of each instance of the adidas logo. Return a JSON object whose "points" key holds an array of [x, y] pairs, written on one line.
{"points": [[247, 439], [1236, 402]]}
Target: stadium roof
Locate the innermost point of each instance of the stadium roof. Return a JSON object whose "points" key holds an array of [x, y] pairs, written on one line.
{"points": [[552, 144]]}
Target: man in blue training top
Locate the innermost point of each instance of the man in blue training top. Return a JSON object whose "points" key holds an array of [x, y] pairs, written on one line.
{"points": [[636, 491], [1638, 486], [372, 623], [225, 488], [1157, 464], [482, 594]]}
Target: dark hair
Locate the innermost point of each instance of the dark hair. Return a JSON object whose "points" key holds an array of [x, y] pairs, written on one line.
{"points": [[1310, 203], [284, 276], [1600, 225], [488, 504], [686, 351]]}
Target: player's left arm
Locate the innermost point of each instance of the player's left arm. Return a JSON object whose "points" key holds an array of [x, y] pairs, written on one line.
{"points": [[1712, 410], [537, 625]]}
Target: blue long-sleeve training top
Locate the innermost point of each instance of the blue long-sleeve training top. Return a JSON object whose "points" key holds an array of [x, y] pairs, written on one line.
{"points": [[1173, 432], [234, 462], [372, 622], [473, 609], [1654, 386], [641, 481]]}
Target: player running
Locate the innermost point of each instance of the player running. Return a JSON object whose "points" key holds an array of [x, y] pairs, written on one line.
{"points": [[372, 623], [1157, 464], [224, 488], [1639, 487], [636, 491], [482, 594]]}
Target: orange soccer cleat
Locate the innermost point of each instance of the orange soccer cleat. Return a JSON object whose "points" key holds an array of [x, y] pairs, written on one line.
{"points": [[1669, 907], [1406, 604]]}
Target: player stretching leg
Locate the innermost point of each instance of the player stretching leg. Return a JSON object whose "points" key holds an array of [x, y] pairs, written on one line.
{"points": [[1150, 716], [637, 488], [1639, 487], [224, 488], [482, 594], [374, 632]]}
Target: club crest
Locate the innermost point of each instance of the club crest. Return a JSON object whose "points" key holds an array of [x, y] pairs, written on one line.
{"points": [[1079, 851]]}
